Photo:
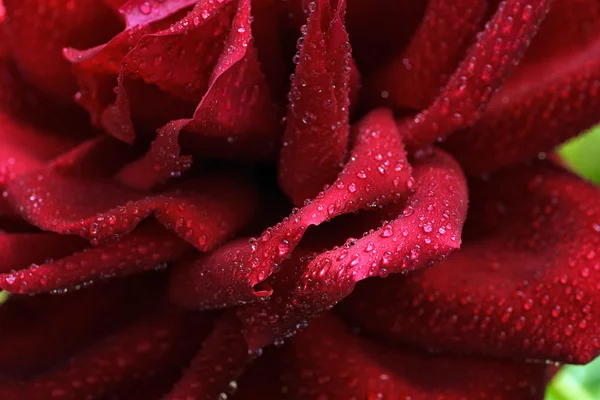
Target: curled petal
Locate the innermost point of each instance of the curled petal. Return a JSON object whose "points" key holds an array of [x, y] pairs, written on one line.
{"points": [[377, 173], [219, 362], [428, 229], [144, 249], [414, 78], [524, 284], [485, 67], [204, 211], [162, 162], [317, 127], [343, 365], [553, 96], [97, 68], [150, 347]]}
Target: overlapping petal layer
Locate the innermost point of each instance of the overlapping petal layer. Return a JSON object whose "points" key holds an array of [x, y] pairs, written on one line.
{"points": [[209, 79], [150, 347], [553, 96], [146, 248], [484, 69], [203, 211], [414, 78], [376, 174], [205, 59], [525, 284], [328, 360], [69, 322], [317, 129], [217, 365], [426, 231]]}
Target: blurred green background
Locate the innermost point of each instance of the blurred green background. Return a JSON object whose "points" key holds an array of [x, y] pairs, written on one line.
{"points": [[580, 382]]}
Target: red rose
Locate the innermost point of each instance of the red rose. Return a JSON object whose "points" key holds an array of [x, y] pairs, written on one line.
{"points": [[137, 225]]}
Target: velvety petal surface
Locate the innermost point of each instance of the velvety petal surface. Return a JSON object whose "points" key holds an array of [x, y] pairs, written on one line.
{"points": [[377, 173], [415, 77], [483, 70], [18, 250], [204, 211], [329, 360], [426, 230], [36, 41], [150, 347], [525, 284], [315, 141], [553, 96], [220, 361], [69, 322], [146, 248]]}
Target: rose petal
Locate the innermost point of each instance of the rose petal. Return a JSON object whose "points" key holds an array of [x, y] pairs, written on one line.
{"points": [[381, 30], [414, 78], [162, 162], [143, 12], [427, 230], [148, 348], [68, 322], [485, 67], [377, 173], [205, 211], [558, 87], [328, 360], [317, 127], [18, 250], [219, 362], [146, 248], [524, 285], [32, 25], [97, 69]]}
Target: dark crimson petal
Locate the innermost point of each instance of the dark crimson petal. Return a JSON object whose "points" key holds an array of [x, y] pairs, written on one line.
{"points": [[485, 67], [24, 147], [114, 4], [205, 211], [144, 249], [40, 331], [162, 162], [39, 29], [525, 284], [416, 76], [235, 118], [315, 141], [427, 230], [142, 12], [214, 280], [553, 96], [380, 30], [219, 362], [97, 68], [18, 250], [377, 173], [148, 348], [329, 361], [179, 59]]}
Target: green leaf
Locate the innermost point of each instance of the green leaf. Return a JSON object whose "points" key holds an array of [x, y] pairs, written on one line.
{"points": [[582, 154]]}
